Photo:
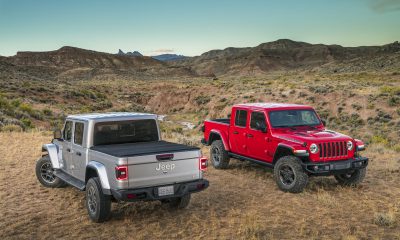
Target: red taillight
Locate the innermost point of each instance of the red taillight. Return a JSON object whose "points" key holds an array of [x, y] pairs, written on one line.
{"points": [[131, 195], [121, 172], [203, 163]]}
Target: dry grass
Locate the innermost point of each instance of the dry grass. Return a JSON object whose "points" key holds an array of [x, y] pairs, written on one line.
{"points": [[242, 202]]}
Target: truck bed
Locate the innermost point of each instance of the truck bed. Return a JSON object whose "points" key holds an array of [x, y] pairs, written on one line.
{"points": [[142, 148], [221, 120]]}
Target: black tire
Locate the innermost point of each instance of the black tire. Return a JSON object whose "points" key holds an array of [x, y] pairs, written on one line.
{"points": [[98, 204], [44, 173], [180, 202], [289, 174], [351, 179], [218, 155]]}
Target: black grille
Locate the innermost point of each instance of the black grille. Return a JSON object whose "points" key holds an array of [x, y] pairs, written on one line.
{"points": [[332, 149]]}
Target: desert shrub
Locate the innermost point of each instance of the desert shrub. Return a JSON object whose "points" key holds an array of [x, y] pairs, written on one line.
{"points": [[16, 103], [26, 123], [102, 105], [383, 117], [177, 130], [390, 90], [200, 100], [10, 128], [380, 140], [47, 112], [133, 108], [26, 108], [393, 101], [384, 219], [370, 106], [356, 106]]}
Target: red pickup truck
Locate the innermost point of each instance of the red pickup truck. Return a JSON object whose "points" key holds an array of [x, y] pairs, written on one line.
{"points": [[289, 138]]}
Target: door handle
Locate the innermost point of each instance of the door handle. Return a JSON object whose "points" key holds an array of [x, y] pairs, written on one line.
{"points": [[235, 132], [68, 149], [78, 153], [249, 135]]}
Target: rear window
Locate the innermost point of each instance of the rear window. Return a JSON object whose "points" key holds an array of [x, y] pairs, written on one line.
{"points": [[132, 131], [241, 118], [78, 133]]}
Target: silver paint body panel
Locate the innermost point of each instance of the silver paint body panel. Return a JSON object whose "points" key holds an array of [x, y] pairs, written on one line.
{"points": [[143, 171]]}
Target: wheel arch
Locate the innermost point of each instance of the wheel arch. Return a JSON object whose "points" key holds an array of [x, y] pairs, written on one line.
{"points": [[281, 151], [52, 150], [97, 169], [216, 135]]}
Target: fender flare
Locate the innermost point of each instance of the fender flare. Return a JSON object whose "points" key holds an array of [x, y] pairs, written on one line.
{"points": [[101, 173], [217, 132], [52, 150]]}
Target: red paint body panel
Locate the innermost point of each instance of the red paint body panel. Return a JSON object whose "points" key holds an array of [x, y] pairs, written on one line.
{"points": [[263, 145]]}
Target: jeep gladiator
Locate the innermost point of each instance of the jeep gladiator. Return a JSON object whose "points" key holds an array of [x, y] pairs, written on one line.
{"points": [[120, 157], [289, 138]]}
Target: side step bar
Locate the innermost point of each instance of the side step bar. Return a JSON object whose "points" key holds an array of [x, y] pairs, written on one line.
{"points": [[69, 179], [240, 157]]}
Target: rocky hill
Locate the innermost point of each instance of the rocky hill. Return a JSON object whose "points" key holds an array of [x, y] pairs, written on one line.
{"points": [[287, 55], [71, 62], [281, 55]]}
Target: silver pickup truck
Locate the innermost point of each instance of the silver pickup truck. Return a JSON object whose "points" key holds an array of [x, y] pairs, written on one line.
{"points": [[120, 157]]}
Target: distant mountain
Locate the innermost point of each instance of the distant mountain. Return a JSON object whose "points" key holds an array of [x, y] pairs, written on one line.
{"points": [[169, 57], [77, 63], [287, 55], [134, 53], [278, 56]]}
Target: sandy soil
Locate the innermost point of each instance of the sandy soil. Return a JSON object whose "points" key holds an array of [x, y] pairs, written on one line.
{"points": [[242, 202]]}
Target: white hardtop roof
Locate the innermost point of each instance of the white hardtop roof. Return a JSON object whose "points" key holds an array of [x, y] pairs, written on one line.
{"points": [[110, 115]]}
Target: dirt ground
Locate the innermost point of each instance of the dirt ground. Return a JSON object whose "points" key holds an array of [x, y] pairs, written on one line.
{"points": [[242, 202]]}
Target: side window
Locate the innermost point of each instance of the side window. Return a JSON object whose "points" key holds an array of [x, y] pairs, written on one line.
{"points": [[241, 118], [78, 133], [67, 134], [257, 120]]}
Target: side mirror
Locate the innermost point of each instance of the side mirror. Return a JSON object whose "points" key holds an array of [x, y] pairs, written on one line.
{"points": [[323, 121], [57, 134]]}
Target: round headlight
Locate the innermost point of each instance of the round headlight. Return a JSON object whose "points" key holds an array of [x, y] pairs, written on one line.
{"points": [[313, 148], [349, 145]]}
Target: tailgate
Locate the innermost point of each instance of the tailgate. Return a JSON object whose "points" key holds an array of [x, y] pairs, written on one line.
{"points": [[163, 168]]}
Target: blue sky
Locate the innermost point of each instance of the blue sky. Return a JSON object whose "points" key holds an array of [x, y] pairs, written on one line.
{"points": [[192, 27]]}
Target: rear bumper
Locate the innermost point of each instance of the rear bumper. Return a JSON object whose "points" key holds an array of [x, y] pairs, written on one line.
{"points": [[335, 167], [151, 193]]}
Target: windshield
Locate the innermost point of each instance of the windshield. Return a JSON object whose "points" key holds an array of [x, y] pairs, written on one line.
{"points": [[106, 133], [293, 118]]}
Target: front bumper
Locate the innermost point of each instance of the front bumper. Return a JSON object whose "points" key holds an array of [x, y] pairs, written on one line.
{"points": [[335, 167], [151, 193], [204, 142]]}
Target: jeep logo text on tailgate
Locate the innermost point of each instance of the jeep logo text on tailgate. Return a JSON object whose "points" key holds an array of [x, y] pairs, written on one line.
{"points": [[165, 166]]}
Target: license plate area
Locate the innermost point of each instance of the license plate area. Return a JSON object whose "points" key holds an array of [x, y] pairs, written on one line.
{"points": [[341, 166], [166, 191]]}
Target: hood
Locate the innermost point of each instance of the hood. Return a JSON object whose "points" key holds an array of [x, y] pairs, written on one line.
{"points": [[301, 136]]}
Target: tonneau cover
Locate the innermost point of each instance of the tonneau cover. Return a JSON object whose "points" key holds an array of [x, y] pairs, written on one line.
{"points": [[142, 148]]}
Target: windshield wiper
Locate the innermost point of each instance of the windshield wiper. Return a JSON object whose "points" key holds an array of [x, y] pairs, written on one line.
{"points": [[286, 126], [306, 125]]}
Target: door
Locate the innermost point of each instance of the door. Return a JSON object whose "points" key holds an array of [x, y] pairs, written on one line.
{"points": [[66, 147], [258, 138], [238, 132], [79, 151]]}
